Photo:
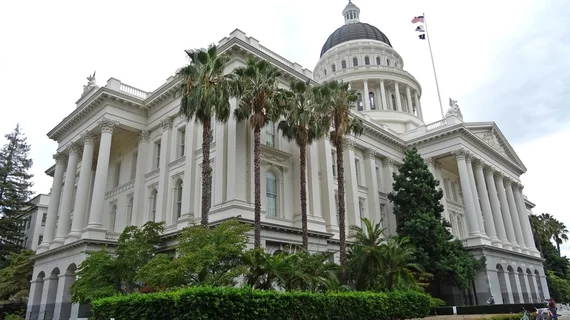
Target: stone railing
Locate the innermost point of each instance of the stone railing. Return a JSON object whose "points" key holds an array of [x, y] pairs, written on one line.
{"points": [[437, 124], [119, 189], [133, 91], [275, 56], [113, 236]]}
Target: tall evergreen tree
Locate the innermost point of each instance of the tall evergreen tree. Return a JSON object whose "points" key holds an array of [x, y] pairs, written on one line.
{"points": [[15, 184], [418, 213]]}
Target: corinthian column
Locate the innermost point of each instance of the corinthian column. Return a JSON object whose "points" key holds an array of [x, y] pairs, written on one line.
{"points": [[67, 199], [524, 219], [470, 212], [95, 227], [475, 195], [53, 206], [506, 212], [486, 204], [163, 172], [397, 94], [515, 216], [496, 207], [366, 96], [80, 206]]}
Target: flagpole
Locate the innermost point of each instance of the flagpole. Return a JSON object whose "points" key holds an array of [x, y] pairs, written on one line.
{"points": [[433, 66]]}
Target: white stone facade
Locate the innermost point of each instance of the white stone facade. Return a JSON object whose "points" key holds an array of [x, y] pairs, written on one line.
{"points": [[125, 157], [34, 221]]}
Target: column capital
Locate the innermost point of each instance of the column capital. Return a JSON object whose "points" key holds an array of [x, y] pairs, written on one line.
{"points": [[88, 138], [347, 143], [431, 161], [498, 175], [107, 125], [518, 186], [144, 136], [369, 154], [60, 158], [488, 169], [478, 163], [461, 154], [507, 181], [166, 123], [74, 148], [387, 162]]}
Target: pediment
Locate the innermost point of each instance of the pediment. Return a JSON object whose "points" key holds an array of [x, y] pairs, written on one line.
{"points": [[490, 134]]}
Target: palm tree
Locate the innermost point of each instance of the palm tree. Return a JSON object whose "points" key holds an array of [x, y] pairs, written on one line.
{"points": [[304, 123], [255, 85], [559, 233], [205, 95], [338, 100]]}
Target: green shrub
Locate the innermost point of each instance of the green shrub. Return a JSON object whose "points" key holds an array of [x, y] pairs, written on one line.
{"points": [[436, 303], [232, 303], [513, 316], [13, 317]]}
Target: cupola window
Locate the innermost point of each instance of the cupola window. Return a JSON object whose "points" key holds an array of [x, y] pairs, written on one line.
{"points": [[325, 71], [343, 64], [359, 102], [378, 60], [354, 62], [388, 62], [372, 102], [333, 67], [366, 60]]}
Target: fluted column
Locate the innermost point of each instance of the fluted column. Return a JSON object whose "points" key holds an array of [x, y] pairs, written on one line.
{"points": [[142, 168], [409, 99], [470, 212], [366, 96], [95, 226], [351, 189], [67, 198], [496, 207], [383, 95], [475, 195], [372, 185], [523, 217], [54, 198], [388, 164], [80, 206], [439, 177], [418, 107], [161, 201], [514, 215], [505, 212], [397, 94], [486, 204]]}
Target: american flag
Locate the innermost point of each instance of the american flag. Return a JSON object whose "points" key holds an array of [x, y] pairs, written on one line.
{"points": [[418, 19]]}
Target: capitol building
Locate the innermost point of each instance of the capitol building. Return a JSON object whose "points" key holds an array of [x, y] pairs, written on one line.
{"points": [[125, 156]]}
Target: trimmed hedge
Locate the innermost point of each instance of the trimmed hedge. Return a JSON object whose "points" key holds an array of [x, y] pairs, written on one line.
{"points": [[232, 303]]}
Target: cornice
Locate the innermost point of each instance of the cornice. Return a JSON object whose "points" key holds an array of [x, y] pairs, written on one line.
{"points": [[71, 245], [102, 95]]}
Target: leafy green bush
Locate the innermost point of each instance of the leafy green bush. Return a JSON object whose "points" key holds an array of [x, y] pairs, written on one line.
{"points": [[436, 303], [232, 303], [513, 316], [13, 317]]}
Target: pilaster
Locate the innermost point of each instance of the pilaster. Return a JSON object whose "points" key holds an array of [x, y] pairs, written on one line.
{"points": [[328, 185], [372, 186], [351, 197], [219, 187], [161, 202], [138, 217], [189, 191]]}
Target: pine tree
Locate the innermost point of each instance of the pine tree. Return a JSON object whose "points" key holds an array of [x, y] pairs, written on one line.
{"points": [[15, 184], [418, 212]]}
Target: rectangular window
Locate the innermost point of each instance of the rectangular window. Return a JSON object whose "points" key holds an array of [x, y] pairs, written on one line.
{"points": [[357, 167], [453, 191], [157, 155], [44, 218], [117, 174], [181, 142], [134, 166], [270, 134], [379, 178], [40, 239], [383, 215], [333, 154]]}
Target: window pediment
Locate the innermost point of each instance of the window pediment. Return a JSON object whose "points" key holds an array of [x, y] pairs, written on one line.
{"points": [[274, 157]]}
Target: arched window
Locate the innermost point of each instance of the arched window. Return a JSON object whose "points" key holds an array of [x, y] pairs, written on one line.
{"points": [[270, 134], [178, 204], [359, 101], [378, 60], [333, 67], [271, 194], [325, 71], [354, 62], [366, 60], [129, 211], [372, 101], [343, 64], [112, 217], [388, 62], [153, 199]]}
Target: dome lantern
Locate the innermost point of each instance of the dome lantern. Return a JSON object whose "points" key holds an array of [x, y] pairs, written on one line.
{"points": [[351, 13]]}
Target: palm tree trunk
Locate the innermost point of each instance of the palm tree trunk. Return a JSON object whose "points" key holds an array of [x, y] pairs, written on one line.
{"points": [[206, 172], [303, 169], [341, 205], [257, 183]]}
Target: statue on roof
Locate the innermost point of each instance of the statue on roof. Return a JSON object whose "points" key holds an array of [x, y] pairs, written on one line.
{"points": [[454, 109], [92, 82]]}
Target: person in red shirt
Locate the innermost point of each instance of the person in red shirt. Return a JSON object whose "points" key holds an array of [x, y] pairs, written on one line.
{"points": [[552, 308]]}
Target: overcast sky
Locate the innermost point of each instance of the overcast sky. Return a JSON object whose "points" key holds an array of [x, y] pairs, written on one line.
{"points": [[505, 61]]}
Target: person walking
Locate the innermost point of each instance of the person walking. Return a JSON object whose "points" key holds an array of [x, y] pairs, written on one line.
{"points": [[552, 308]]}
